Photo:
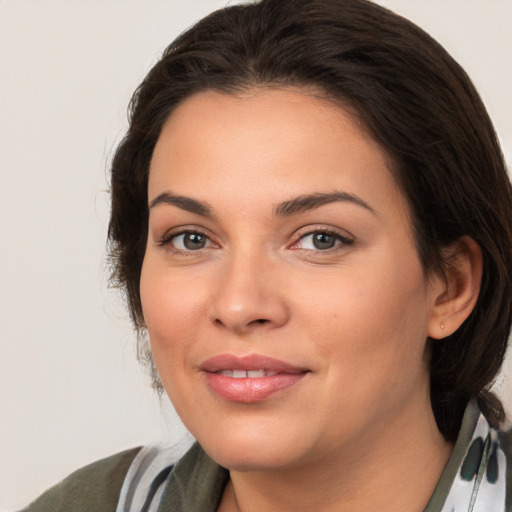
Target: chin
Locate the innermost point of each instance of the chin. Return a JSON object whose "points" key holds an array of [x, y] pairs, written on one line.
{"points": [[253, 449], [251, 458]]}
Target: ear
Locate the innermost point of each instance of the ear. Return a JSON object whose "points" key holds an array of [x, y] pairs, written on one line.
{"points": [[455, 294]]}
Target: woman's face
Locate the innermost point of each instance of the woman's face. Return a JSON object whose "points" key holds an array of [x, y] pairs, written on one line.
{"points": [[285, 301]]}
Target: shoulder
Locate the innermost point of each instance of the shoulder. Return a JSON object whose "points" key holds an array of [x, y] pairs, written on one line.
{"points": [[96, 486]]}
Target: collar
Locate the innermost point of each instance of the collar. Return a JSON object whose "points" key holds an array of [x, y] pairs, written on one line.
{"points": [[474, 479]]}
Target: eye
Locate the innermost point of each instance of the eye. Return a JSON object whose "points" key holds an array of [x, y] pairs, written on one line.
{"points": [[188, 241], [322, 241]]}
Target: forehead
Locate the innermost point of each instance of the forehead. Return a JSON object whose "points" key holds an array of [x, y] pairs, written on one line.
{"points": [[276, 141]]}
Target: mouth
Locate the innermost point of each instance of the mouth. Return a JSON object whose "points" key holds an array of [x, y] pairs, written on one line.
{"points": [[251, 378], [247, 374]]}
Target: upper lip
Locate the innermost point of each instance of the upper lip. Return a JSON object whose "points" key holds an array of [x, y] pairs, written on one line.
{"points": [[249, 362]]}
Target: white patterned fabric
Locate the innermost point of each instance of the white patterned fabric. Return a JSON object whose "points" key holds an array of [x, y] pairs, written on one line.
{"points": [[480, 484], [145, 468]]}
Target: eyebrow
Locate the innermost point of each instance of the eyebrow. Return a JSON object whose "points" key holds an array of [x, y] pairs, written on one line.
{"points": [[309, 202], [294, 206], [185, 203]]}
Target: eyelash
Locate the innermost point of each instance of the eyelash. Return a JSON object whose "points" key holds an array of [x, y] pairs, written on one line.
{"points": [[166, 240], [340, 240]]}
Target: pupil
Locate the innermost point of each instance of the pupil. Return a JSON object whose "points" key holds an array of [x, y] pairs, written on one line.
{"points": [[323, 241], [194, 241]]}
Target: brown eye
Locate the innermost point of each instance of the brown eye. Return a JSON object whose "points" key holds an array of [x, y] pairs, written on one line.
{"points": [[194, 241], [190, 241], [323, 241]]}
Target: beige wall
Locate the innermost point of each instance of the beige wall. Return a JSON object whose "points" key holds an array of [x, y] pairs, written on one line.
{"points": [[70, 391]]}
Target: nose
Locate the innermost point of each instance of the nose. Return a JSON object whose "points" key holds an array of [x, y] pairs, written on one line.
{"points": [[249, 295]]}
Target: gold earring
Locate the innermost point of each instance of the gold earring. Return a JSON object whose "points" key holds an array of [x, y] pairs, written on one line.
{"points": [[442, 327]]}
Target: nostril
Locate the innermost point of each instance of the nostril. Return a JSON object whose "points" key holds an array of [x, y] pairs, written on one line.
{"points": [[261, 321]]}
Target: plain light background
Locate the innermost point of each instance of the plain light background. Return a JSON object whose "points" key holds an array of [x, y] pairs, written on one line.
{"points": [[70, 389]]}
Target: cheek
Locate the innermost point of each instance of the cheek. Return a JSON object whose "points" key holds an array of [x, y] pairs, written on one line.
{"points": [[372, 346], [171, 309], [374, 318]]}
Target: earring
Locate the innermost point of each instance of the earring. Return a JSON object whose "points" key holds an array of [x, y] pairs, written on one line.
{"points": [[442, 327]]}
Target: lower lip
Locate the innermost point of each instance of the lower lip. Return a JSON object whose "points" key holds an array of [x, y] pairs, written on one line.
{"points": [[250, 390]]}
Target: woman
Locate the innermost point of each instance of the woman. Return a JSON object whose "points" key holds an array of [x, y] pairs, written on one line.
{"points": [[311, 219]]}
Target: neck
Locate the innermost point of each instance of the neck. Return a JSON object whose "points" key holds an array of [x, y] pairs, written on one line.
{"points": [[402, 455]]}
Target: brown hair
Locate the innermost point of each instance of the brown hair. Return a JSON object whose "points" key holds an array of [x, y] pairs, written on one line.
{"points": [[410, 95]]}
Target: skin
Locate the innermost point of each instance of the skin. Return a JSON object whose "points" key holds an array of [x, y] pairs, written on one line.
{"points": [[355, 315]]}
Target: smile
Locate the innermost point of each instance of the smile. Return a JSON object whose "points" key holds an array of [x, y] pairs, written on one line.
{"points": [[247, 374], [251, 378]]}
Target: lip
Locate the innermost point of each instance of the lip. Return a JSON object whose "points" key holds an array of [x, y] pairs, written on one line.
{"points": [[283, 375]]}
